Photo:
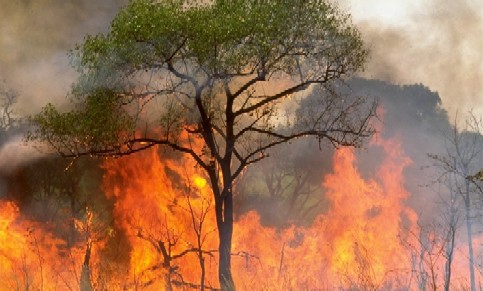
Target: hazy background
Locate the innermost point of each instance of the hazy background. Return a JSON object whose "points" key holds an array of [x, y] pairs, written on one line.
{"points": [[35, 37], [435, 42]]}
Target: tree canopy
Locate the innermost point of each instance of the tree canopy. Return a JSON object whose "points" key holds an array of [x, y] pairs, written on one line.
{"points": [[182, 51]]}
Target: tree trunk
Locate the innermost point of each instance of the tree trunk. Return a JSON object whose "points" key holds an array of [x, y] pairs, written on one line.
{"points": [[224, 213], [203, 272], [449, 257], [85, 280], [470, 239]]}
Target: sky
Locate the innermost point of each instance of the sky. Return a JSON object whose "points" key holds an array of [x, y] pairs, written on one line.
{"points": [[434, 42]]}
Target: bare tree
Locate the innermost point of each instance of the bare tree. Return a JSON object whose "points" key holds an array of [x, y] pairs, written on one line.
{"points": [[450, 223], [285, 189], [427, 249], [198, 218], [463, 158]]}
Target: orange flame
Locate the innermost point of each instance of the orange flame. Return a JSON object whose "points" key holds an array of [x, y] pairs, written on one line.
{"points": [[357, 244], [164, 234], [32, 258], [161, 214]]}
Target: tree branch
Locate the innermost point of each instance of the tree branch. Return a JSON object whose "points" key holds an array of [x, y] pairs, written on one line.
{"points": [[268, 99], [130, 149]]}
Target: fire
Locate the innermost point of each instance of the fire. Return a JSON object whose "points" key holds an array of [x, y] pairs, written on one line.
{"points": [[10, 239], [367, 219], [359, 243], [162, 215], [31, 257], [199, 182], [163, 234]]}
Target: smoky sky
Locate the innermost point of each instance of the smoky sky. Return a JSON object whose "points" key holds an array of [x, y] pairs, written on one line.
{"points": [[439, 46], [35, 37]]}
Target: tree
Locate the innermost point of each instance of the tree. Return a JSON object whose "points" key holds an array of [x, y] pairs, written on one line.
{"points": [[8, 122], [173, 71], [463, 158], [450, 219]]}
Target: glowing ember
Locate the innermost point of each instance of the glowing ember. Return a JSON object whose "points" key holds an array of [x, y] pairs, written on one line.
{"points": [[199, 182]]}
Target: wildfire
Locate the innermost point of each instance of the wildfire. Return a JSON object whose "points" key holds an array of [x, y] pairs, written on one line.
{"points": [[163, 216], [368, 222], [163, 235], [10, 240], [31, 257], [359, 243]]}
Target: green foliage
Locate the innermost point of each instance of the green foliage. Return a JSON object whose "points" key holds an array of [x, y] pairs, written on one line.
{"points": [[96, 123], [227, 37]]}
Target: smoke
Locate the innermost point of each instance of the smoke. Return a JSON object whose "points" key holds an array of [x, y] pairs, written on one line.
{"points": [[35, 37], [438, 44], [16, 153]]}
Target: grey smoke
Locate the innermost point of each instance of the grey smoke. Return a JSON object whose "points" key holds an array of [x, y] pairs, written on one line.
{"points": [[35, 37], [439, 46], [16, 153]]}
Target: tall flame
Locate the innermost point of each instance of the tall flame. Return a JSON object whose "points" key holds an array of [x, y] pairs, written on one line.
{"points": [[358, 243], [163, 207], [164, 234]]}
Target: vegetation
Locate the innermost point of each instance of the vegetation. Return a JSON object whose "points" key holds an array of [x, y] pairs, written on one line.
{"points": [[174, 72]]}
